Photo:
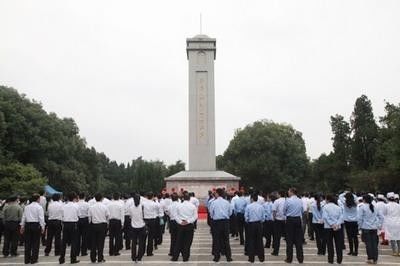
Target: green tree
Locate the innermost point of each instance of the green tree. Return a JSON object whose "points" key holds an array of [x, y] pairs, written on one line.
{"points": [[175, 168], [365, 133], [267, 155], [16, 178]]}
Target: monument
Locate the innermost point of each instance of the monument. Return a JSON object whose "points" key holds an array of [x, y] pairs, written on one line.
{"points": [[202, 175]]}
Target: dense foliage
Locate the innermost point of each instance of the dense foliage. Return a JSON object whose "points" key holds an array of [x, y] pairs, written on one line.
{"points": [[365, 156], [267, 155], [38, 148]]}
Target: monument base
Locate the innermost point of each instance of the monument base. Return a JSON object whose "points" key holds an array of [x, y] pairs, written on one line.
{"points": [[200, 182]]}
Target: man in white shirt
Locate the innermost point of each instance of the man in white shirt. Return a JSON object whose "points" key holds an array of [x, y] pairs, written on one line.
{"points": [[70, 228], [150, 213], [54, 225], [127, 221], [117, 216], [32, 225], [186, 215], [98, 218], [173, 226], [196, 203], [279, 222], [83, 225]]}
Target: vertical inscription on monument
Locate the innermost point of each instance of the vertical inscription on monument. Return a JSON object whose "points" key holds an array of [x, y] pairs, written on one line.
{"points": [[202, 107]]}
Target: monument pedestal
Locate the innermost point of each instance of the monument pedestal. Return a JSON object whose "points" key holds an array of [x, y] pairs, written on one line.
{"points": [[200, 182]]}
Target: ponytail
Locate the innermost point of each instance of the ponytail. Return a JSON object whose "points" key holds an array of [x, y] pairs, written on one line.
{"points": [[368, 199]]}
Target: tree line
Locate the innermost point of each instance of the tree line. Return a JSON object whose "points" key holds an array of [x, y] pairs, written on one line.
{"points": [[38, 148], [365, 157]]}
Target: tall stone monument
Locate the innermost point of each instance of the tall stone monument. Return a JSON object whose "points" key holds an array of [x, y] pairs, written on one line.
{"points": [[202, 175]]}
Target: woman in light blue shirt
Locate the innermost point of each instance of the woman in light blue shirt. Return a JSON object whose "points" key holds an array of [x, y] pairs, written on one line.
{"points": [[318, 223], [350, 222], [369, 221], [333, 218]]}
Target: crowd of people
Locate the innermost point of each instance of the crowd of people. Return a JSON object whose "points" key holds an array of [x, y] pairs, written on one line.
{"points": [[259, 221]]}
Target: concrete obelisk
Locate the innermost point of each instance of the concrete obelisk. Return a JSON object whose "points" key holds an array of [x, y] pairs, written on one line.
{"points": [[202, 175]]}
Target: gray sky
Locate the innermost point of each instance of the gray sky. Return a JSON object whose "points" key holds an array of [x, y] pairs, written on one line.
{"points": [[119, 68]]}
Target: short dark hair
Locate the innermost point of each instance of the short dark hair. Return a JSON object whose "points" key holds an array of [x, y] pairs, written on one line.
{"points": [[56, 197], [149, 195], [116, 196], [220, 192], [71, 196], [254, 197], [186, 196], [35, 197], [174, 196], [293, 190], [98, 196], [81, 195]]}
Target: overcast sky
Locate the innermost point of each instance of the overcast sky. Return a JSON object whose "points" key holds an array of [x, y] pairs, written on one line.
{"points": [[119, 68]]}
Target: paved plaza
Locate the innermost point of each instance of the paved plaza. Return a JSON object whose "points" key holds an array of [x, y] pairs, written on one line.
{"points": [[201, 255]]}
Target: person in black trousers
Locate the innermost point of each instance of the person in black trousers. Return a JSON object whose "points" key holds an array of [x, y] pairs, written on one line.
{"points": [[254, 217], [138, 229], [332, 217], [54, 225], [186, 215], [117, 215], [268, 225], [32, 225], [318, 224], [126, 230], [98, 219], [220, 211], [70, 228], [239, 207], [83, 225], [293, 210], [279, 221], [12, 217], [173, 226]]}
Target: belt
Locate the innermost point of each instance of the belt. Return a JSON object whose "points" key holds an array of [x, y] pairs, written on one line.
{"points": [[293, 217]]}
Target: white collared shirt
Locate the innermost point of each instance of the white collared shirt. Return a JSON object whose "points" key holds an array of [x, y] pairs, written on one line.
{"points": [[116, 210], [136, 214], [278, 207], [98, 213], [172, 209], [33, 213], [194, 201], [150, 209], [70, 212], [83, 207], [127, 204], [186, 211], [54, 210]]}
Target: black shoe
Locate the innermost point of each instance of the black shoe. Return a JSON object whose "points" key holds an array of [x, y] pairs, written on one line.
{"points": [[102, 261], [149, 255], [355, 254], [170, 254], [229, 259], [185, 260], [216, 259], [274, 254], [84, 254], [15, 255], [287, 261], [174, 259], [61, 260], [261, 260], [350, 253], [34, 262], [251, 261], [117, 254], [74, 261]]}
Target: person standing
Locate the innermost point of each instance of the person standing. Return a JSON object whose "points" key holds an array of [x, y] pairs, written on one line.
{"points": [[220, 212], [293, 211], [173, 226], [333, 217], [239, 206], [279, 222], [117, 216], [370, 221], [350, 222], [43, 203], [268, 225], [392, 223], [186, 216], [150, 214], [318, 224], [83, 225], [70, 228], [98, 218], [54, 225], [195, 201], [32, 225], [127, 221], [138, 229], [12, 217], [254, 217]]}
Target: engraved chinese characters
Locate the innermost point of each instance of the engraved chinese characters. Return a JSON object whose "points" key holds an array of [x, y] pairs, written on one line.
{"points": [[202, 107]]}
